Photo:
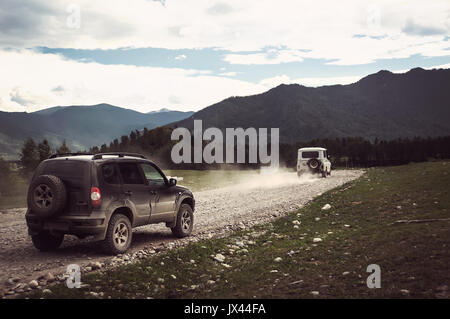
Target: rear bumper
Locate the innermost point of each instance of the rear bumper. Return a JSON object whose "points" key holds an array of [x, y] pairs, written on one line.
{"points": [[74, 225]]}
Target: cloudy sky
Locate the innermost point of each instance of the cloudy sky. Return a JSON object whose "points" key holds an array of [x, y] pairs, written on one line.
{"points": [[188, 54]]}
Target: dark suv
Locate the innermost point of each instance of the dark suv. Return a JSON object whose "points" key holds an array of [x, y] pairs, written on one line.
{"points": [[104, 195]]}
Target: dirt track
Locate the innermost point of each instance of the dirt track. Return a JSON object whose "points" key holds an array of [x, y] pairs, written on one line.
{"points": [[218, 211]]}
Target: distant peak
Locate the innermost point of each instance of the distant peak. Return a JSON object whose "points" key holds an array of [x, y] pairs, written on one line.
{"points": [[416, 70], [162, 110]]}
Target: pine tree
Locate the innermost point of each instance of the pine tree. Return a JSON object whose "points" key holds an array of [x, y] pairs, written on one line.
{"points": [[44, 150], [63, 148], [29, 156]]}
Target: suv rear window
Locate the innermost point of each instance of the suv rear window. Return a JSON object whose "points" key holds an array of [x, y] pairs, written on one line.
{"points": [[72, 173], [130, 173], [310, 154]]}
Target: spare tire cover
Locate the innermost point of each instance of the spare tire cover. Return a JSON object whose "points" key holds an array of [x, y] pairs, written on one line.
{"points": [[314, 163], [47, 196]]}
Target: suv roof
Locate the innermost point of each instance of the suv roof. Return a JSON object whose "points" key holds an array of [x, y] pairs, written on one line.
{"points": [[98, 156], [308, 149]]}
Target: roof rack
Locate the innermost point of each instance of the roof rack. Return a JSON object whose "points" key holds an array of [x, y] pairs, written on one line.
{"points": [[67, 154], [119, 154]]}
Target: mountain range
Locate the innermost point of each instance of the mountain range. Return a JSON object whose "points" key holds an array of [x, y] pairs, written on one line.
{"points": [[81, 126], [383, 105]]}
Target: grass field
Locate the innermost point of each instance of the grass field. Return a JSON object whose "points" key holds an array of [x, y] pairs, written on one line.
{"points": [[358, 230], [16, 193]]}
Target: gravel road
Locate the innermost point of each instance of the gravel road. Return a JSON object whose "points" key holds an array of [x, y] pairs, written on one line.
{"points": [[255, 200]]}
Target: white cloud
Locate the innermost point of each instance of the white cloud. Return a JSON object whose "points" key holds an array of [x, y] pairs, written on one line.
{"points": [[271, 56], [393, 28], [228, 73], [38, 80], [180, 57]]}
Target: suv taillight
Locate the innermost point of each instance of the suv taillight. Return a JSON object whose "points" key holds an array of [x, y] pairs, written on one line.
{"points": [[96, 197]]}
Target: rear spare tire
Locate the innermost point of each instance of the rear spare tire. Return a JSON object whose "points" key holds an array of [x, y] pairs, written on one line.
{"points": [[313, 164], [47, 196]]}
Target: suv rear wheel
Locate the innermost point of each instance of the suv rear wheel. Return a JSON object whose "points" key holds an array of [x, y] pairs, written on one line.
{"points": [[118, 235], [185, 221], [44, 241]]}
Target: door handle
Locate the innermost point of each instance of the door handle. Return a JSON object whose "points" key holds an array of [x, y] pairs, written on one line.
{"points": [[129, 193]]}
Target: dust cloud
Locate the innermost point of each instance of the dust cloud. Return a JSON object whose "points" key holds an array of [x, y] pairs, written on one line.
{"points": [[271, 179]]}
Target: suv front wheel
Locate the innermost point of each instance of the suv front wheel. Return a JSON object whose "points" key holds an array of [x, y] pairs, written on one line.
{"points": [[118, 235], [185, 221]]}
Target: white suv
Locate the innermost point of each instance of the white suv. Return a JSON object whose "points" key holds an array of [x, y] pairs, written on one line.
{"points": [[313, 160]]}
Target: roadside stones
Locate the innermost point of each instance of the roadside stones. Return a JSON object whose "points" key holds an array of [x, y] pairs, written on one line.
{"points": [[317, 240], [48, 277], [296, 222], [404, 291], [314, 293], [46, 291], [220, 258], [345, 273], [240, 243], [326, 207], [292, 252], [95, 265], [33, 284], [278, 259], [13, 280], [210, 282], [317, 219]]}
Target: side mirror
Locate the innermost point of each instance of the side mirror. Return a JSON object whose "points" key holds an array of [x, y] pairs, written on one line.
{"points": [[172, 182]]}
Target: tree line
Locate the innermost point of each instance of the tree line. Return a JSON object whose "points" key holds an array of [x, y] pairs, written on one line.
{"points": [[344, 152]]}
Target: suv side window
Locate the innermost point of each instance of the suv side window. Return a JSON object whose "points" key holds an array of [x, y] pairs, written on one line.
{"points": [[130, 173], [110, 174], [152, 175]]}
